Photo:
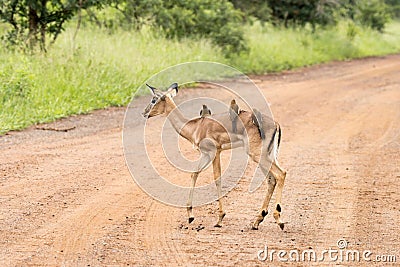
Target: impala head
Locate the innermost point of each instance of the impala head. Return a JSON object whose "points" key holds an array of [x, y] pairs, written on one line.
{"points": [[157, 104]]}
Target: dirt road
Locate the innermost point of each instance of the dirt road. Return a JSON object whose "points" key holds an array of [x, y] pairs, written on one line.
{"points": [[67, 198]]}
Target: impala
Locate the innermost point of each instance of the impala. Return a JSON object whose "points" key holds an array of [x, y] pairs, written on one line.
{"points": [[259, 134]]}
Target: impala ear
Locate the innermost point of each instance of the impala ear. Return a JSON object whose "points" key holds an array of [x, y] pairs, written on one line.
{"points": [[173, 90], [152, 89]]}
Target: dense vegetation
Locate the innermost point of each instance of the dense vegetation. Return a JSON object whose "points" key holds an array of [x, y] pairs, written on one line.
{"points": [[108, 48]]}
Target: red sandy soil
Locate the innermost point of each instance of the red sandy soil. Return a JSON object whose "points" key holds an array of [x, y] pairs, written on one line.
{"points": [[68, 199]]}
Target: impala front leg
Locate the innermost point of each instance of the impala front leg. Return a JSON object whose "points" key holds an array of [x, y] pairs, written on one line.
{"points": [[217, 178], [205, 160], [190, 200]]}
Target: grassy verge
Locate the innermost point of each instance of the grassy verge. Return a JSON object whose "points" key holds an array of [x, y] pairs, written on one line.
{"points": [[275, 49], [101, 70]]}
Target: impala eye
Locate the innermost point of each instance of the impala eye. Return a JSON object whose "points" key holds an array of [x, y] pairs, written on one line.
{"points": [[153, 101]]}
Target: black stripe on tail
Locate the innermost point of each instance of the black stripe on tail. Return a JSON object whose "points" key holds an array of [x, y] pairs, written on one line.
{"points": [[271, 142], [279, 132], [257, 120]]}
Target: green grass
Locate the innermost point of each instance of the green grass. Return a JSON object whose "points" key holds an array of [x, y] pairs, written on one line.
{"points": [[101, 70], [275, 49]]}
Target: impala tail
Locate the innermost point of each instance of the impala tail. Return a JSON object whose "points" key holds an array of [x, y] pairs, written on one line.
{"points": [[257, 120], [273, 145]]}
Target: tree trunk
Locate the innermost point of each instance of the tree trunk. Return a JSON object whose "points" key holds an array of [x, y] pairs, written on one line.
{"points": [[43, 37], [33, 21], [43, 17]]}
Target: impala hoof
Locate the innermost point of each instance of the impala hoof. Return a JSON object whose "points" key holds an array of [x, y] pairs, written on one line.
{"points": [[264, 213], [222, 216], [218, 225], [191, 219], [254, 227], [281, 225]]}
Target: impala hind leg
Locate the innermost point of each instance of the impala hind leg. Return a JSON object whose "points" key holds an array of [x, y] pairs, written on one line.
{"points": [[280, 176], [264, 209], [217, 179]]}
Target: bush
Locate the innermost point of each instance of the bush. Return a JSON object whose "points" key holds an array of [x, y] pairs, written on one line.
{"points": [[373, 13], [217, 21], [258, 9], [301, 12], [394, 6]]}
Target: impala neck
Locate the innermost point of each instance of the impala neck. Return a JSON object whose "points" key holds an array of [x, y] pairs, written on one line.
{"points": [[177, 119]]}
